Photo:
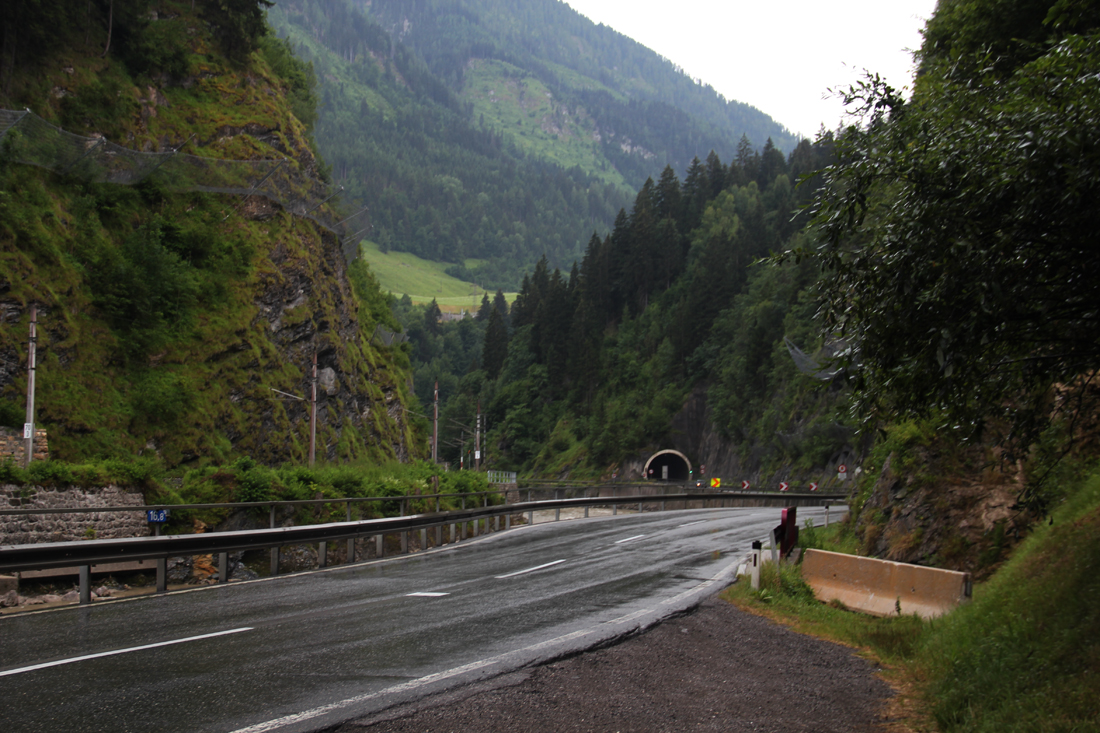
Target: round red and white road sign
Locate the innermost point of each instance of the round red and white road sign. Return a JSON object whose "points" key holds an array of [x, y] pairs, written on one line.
{"points": [[842, 468]]}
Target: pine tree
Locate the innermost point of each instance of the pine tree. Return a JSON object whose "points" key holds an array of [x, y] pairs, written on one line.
{"points": [[495, 348], [483, 311]]}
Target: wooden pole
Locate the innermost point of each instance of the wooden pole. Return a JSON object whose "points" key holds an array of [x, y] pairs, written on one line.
{"points": [[28, 426]]}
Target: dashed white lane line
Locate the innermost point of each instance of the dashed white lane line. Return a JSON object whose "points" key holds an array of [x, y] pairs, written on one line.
{"points": [[630, 539], [698, 521], [427, 594], [530, 570], [86, 657]]}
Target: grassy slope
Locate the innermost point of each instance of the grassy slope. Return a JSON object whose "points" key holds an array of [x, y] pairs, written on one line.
{"points": [[1024, 655], [511, 100], [204, 389], [403, 273]]}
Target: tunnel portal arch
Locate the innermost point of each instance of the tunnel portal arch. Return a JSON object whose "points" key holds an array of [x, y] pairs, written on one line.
{"points": [[668, 465]]}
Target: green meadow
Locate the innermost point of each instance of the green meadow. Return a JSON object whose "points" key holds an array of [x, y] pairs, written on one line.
{"points": [[402, 273]]}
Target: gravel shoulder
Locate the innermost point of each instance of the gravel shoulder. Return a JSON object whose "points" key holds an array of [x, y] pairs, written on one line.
{"points": [[716, 669]]}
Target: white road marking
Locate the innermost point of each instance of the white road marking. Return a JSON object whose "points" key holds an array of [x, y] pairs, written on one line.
{"points": [[332, 707], [59, 662], [699, 521], [530, 570], [629, 617], [630, 539], [428, 594]]}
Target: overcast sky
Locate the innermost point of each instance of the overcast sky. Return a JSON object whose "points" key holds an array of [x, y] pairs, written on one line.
{"points": [[780, 56]]}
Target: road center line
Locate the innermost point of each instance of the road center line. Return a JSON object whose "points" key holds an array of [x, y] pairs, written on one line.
{"points": [[699, 521], [529, 570], [59, 662], [428, 594], [630, 539]]}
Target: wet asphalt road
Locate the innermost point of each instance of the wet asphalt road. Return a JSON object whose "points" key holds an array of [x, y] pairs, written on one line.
{"points": [[302, 653]]}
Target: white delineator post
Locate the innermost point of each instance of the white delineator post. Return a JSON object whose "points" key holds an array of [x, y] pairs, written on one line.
{"points": [[756, 560]]}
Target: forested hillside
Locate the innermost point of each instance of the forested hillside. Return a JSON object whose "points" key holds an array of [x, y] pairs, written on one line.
{"points": [[600, 359], [167, 315], [499, 131]]}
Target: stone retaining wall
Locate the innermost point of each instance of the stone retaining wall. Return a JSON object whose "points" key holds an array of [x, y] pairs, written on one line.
{"points": [[14, 447], [34, 528]]}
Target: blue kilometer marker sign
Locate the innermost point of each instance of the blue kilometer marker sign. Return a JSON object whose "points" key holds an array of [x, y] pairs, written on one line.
{"points": [[156, 516]]}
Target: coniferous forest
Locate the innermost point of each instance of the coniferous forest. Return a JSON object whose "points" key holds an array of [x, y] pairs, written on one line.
{"points": [[475, 131], [675, 298]]}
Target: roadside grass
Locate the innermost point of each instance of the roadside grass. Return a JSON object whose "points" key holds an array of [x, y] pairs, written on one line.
{"points": [[1023, 655], [403, 273]]}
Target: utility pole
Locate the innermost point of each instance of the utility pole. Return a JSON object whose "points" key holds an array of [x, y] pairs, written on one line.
{"points": [[477, 439], [313, 415], [435, 427], [28, 426]]}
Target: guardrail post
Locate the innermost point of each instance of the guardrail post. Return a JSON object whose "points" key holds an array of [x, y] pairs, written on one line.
{"points": [[528, 495], [530, 517], [379, 545], [452, 533], [507, 522], [464, 527], [223, 567], [826, 515], [423, 540], [85, 584], [586, 512], [322, 554], [557, 514], [477, 527], [639, 507], [162, 574], [351, 542], [405, 542], [439, 535], [662, 505], [496, 523], [437, 503], [274, 550], [614, 509]]}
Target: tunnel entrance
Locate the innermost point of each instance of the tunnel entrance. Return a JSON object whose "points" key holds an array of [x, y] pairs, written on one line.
{"points": [[668, 465]]}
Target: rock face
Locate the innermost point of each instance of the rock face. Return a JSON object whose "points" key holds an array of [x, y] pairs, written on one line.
{"points": [[14, 448], [942, 518], [33, 528], [694, 434], [275, 293]]}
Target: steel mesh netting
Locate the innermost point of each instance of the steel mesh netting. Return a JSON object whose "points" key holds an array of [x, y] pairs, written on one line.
{"points": [[29, 139], [809, 365]]}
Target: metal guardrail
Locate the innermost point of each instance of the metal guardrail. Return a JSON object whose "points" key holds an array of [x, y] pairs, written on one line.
{"points": [[83, 554]]}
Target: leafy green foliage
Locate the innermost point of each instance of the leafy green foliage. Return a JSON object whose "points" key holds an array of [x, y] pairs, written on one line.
{"points": [[958, 228], [1022, 654]]}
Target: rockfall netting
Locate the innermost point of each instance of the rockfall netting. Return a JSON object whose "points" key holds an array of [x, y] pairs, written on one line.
{"points": [[27, 138]]}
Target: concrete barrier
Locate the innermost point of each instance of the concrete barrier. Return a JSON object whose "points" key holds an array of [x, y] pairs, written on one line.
{"points": [[882, 587]]}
